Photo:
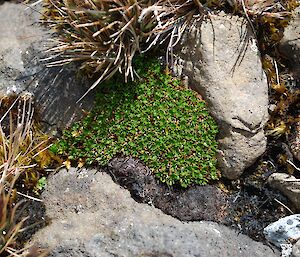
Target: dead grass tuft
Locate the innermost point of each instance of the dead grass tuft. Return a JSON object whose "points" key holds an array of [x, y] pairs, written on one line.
{"points": [[106, 35], [18, 146]]}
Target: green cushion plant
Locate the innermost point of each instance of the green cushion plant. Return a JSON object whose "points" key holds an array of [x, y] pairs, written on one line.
{"points": [[154, 119]]}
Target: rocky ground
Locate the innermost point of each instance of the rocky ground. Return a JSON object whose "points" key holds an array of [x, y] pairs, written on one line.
{"points": [[92, 216], [89, 214], [248, 205]]}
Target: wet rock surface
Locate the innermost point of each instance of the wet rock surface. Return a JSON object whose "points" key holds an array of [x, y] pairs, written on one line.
{"points": [[111, 223], [23, 43], [216, 61]]}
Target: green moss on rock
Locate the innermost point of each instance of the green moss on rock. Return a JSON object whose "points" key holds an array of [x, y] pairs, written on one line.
{"points": [[154, 119]]}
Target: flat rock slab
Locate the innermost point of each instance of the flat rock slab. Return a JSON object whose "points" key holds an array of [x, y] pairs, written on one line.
{"points": [[220, 59], [23, 43], [93, 216]]}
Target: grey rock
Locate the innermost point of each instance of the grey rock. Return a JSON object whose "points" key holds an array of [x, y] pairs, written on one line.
{"points": [[23, 43], [288, 185], [296, 249], [217, 61], [289, 45], [284, 231], [92, 216]]}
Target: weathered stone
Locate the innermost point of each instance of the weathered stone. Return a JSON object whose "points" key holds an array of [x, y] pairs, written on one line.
{"points": [[23, 43], [218, 63], [284, 233], [296, 249], [289, 45], [93, 216], [288, 185]]}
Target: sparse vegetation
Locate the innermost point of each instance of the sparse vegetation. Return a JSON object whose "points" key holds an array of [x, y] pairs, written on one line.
{"points": [[106, 35], [156, 120], [22, 152]]}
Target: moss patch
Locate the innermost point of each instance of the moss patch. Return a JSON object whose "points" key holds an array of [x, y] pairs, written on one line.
{"points": [[156, 120]]}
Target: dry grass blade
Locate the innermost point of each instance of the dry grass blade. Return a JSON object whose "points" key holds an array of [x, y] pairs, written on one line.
{"points": [[17, 145], [105, 35]]}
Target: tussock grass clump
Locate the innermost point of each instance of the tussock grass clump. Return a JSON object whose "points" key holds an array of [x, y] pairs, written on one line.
{"points": [[20, 149], [156, 120], [17, 113], [105, 35]]}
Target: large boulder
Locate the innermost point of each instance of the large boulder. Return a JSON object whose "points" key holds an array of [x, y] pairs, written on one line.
{"points": [[220, 60], [23, 43], [92, 216]]}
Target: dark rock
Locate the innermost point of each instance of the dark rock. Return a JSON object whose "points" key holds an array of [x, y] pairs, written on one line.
{"points": [[195, 203], [294, 140], [289, 45]]}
